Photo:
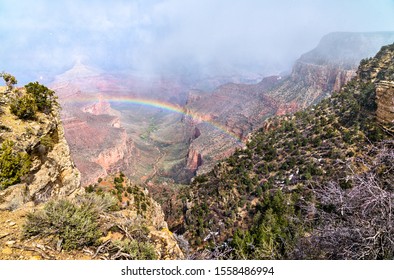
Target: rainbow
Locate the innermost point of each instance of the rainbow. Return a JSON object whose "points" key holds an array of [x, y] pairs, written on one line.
{"points": [[155, 104]]}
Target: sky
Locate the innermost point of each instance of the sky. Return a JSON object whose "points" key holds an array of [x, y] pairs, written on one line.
{"points": [[42, 38]]}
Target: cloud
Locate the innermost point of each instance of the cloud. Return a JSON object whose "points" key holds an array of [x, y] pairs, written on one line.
{"points": [[174, 36]]}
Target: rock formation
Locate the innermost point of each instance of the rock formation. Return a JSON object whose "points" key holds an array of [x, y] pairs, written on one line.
{"points": [[385, 102], [328, 67], [313, 82], [381, 72], [52, 173], [194, 160]]}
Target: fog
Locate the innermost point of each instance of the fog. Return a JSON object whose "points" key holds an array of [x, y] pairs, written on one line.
{"points": [[42, 38]]}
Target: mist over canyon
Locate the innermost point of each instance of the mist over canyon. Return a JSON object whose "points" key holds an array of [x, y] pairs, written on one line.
{"points": [[167, 129], [184, 39]]}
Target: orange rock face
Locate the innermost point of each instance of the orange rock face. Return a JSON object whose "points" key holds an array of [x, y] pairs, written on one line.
{"points": [[194, 160]]}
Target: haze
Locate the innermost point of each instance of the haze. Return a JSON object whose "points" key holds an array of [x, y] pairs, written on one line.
{"points": [[42, 38]]}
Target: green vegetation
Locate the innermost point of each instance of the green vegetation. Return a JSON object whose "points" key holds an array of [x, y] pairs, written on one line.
{"points": [[9, 80], [13, 165], [270, 199], [24, 107], [44, 97], [137, 250], [73, 224], [37, 98], [274, 232], [85, 221], [49, 140], [128, 195], [135, 245]]}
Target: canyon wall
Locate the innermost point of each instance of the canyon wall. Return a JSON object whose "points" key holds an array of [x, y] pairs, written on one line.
{"points": [[385, 102]]}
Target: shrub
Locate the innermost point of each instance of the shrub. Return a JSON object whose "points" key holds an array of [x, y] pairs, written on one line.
{"points": [[24, 107], [98, 203], [89, 189], [12, 165], [9, 80], [118, 180], [48, 141], [137, 250], [200, 179], [44, 97], [74, 224]]}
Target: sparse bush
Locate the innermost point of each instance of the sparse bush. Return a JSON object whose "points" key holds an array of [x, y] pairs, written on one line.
{"points": [[5, 128], [73, 223], [136, 250], [47, 141], [12, 165], [98, 203], [9, 80]]}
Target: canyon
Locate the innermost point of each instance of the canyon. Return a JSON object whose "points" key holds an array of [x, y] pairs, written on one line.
{"points": [[155, 145], [144, 140]]}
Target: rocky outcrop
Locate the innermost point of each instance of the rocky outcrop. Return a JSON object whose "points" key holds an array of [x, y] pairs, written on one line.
{"points": [[56, 176], [115, 153], [194, 160], [385, 102], [380, 71], [101, 107], [342, 77], [165, 242], [140, 210], [323, 77], [317, 81], [52, 173]]}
